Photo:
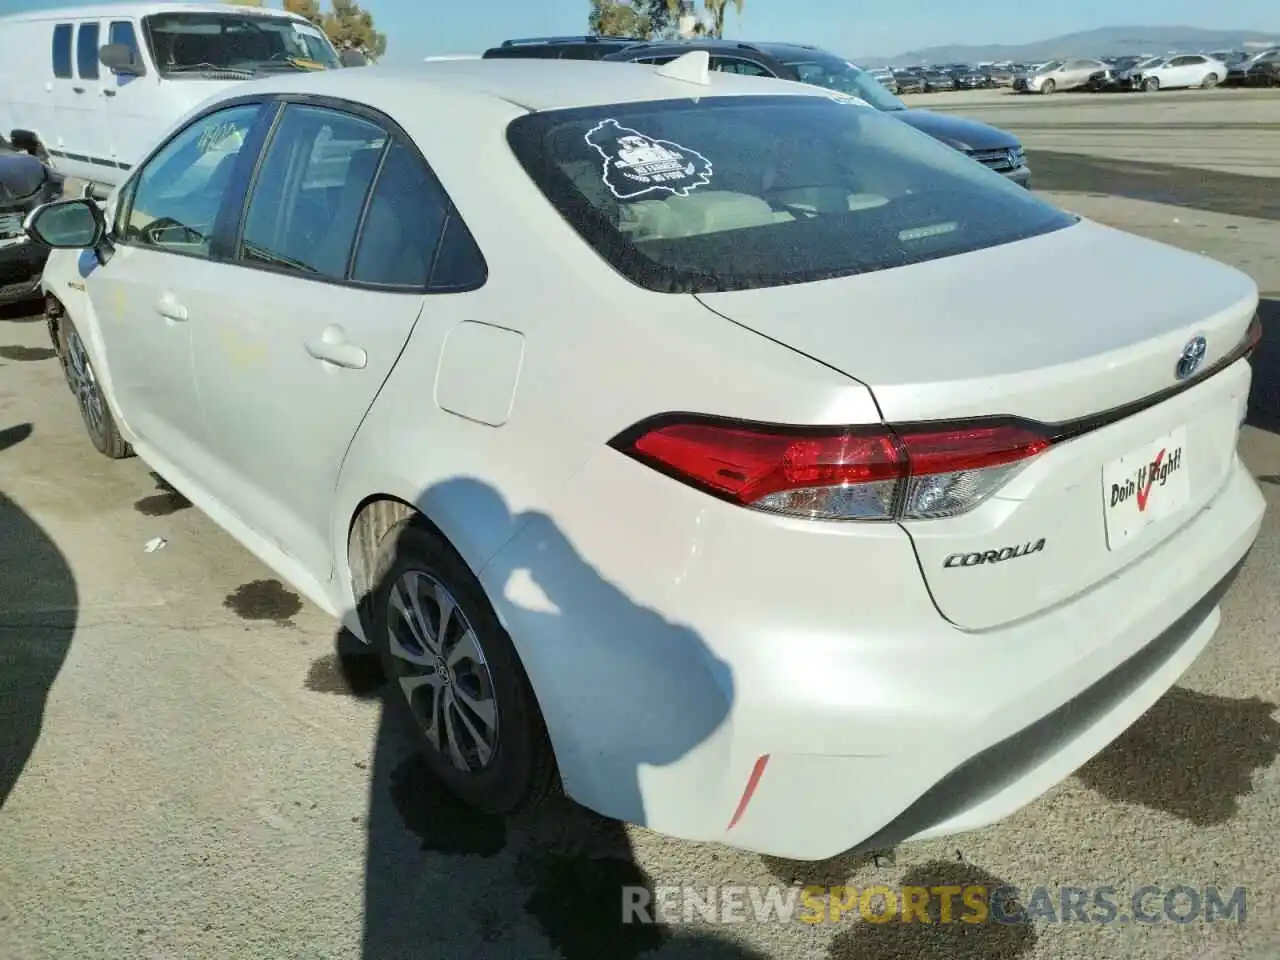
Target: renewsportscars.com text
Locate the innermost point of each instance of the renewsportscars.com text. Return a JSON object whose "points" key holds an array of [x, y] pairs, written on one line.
{"points": [[973, 904]]}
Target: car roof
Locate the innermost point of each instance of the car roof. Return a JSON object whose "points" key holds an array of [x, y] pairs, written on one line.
{"points": [[531, 84], [119, 11]]}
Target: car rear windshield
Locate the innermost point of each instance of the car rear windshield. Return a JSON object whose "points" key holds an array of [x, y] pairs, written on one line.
{"points": [[735, 193]]}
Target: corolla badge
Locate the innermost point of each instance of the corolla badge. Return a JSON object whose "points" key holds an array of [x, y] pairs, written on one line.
{"points": [[1192, 356]]}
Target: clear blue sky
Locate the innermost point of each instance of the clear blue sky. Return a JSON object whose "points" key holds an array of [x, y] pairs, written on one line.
{"points": [[418, 28]]}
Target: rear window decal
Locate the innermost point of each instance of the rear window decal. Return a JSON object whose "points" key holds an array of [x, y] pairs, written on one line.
{"points": [[635, 164]]}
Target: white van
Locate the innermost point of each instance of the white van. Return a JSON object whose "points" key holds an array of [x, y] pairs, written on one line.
{"points": [[90, 89]]}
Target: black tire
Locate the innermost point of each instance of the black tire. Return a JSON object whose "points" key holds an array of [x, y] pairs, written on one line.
{"points": [[1209, 82], [520, 770], [94, 410], [1151, 85], [1047, 88]]}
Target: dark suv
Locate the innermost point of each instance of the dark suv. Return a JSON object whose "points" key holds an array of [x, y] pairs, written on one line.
{"points": [[25, 183], [562, 48], [998, 150]]}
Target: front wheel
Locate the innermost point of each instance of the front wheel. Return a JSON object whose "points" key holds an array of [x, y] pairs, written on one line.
{"points": [[1047, 88], [455, 677], [98, 421]]}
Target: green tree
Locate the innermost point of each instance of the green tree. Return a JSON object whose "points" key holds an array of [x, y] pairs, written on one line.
{"points": [[617, 18], [306, 8], [717, 9], [633, 18], [350, 27]]}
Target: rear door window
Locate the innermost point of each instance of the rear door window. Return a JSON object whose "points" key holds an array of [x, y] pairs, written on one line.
{"points": [[62, 51], [311, 192], [730, 193], [87, 51]]}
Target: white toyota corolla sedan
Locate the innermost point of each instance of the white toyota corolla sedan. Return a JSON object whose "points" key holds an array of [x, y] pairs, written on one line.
{"points": [[761, 468]]}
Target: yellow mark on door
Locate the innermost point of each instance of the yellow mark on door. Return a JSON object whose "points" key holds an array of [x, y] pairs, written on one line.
{"points": [[241, 353]]}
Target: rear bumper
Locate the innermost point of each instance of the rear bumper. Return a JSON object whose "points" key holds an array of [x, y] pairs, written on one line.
{"points": [[675, 644]]}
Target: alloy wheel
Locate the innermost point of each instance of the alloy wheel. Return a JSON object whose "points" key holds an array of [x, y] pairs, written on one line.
{"points": [[84, 384], [442, 671]]}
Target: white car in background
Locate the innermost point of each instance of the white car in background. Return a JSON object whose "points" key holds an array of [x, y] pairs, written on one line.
{"points": [[763, 468], [1179, 71], [1060, 75]]}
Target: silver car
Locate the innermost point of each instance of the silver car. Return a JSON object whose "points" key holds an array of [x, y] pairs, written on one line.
{"points": [[1063, 75]]}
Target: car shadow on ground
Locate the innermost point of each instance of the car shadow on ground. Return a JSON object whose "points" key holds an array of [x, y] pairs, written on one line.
{"points": [[972, 915], [443, 880], [29, 311], [38, 612]]}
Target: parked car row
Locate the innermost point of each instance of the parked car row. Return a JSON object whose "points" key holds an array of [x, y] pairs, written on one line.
{"points": [[1149, 74], [1172, 71], [956, 76], [990, 146]]}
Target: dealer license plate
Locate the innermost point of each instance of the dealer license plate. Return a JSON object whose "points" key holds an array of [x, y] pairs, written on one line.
{"points": [[1145, 486]]}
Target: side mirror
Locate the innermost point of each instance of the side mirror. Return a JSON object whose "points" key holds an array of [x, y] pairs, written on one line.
{"points": [[353, 58], [122, 59], [67, 225]]}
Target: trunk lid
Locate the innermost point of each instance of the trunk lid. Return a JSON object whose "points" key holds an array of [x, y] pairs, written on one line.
{"points": [[1058, 329]]}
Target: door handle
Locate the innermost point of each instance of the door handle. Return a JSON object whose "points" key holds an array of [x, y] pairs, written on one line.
{"points": [[108, 93], [78, 89], [332, 347], [169, 308]]}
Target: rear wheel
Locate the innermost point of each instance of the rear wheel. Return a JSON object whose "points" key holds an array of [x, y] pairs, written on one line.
{"points": [[98, 421], [1210, 81], [455, 676], [1047, 88]]}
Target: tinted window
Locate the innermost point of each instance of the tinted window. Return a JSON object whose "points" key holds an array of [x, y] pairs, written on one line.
{"points": [[122, 32], [732, 193], [743, 67], [87, 51], [823, 70], [62, 50], [402, 225], [181, 189], [311, 191], [459, 263]]}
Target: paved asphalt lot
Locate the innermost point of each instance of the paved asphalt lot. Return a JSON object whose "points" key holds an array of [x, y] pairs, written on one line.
{"points": [[189, 770]]}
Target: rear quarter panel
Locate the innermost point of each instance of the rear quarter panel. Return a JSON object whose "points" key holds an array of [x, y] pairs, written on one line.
{"points": [[599, 354]]}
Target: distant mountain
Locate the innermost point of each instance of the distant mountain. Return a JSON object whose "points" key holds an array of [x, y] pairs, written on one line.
{"points": [[1104, 42]]}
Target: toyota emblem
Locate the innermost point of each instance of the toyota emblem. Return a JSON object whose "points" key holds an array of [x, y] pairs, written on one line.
{"points": [[1192, 356]]}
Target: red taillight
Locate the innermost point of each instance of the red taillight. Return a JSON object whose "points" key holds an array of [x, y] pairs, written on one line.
{"points": [[1254, 335], [839, 473]]}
